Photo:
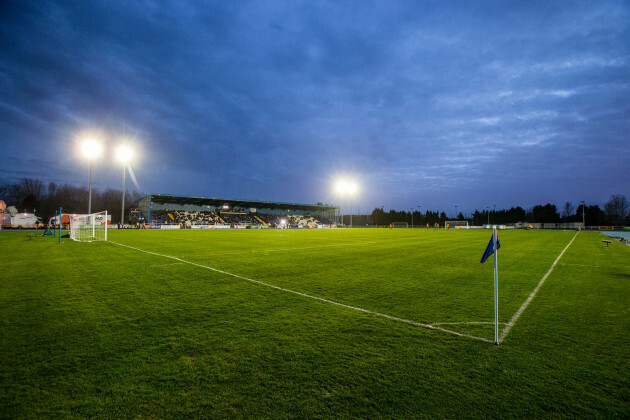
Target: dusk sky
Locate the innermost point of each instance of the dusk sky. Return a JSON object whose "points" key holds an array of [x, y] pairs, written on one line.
{"points": [[424, 103]]}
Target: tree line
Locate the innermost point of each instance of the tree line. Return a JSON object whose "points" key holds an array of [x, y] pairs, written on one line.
{"points": [[33, 196], [615, 212]]}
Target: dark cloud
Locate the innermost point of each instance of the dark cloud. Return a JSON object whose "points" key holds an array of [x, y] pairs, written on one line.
{"points": [[436, 103]]}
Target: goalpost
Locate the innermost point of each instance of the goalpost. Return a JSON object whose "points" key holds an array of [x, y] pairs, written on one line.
{"points": [[89, 227], [400, 225], [456, 224]]}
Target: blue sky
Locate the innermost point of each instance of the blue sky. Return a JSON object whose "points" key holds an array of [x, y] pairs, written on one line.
{"points": [[430, 103]]}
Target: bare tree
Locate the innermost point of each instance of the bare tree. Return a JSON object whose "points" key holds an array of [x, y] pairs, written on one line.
{"points": [[616, 209], [31, 194], [567, 210], [25, 195], [52, 189], [35, 187], [11, 194], [111, 201]]}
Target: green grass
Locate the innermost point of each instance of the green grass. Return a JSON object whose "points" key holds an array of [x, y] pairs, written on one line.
{"points": [[98, 329]]}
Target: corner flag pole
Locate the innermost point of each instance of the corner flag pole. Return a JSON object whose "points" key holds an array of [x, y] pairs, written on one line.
{"points": [[496, 288], [492, 248]]}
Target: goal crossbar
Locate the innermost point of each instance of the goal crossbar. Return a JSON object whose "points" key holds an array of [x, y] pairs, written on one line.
{"points": [[456, 224], [89, 227], [400, 225]]}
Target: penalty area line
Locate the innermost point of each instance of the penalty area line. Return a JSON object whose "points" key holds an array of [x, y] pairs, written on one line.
{"points": [[520, 311], [343, 305]]}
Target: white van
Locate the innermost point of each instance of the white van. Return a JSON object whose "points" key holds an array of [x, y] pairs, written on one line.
{"points": [[25, 221]]}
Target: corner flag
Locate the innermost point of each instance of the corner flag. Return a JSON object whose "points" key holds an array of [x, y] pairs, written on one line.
{"points": [[490, 248]]}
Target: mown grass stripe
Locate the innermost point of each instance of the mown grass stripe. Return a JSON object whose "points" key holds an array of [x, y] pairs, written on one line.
{"points": [[520, 310], [356, 308]]}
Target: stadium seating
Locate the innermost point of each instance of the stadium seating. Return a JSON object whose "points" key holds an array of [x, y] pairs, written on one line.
{"points": [[303, 221], [322, 220], [190, 218]]}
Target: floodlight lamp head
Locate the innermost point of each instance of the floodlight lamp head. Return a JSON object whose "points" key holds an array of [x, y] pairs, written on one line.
{"points": [[91, 148], [342, 187], [124, 153]]}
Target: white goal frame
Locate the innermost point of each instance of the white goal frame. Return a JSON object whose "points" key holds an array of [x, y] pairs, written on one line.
{"points": [[457, 224], [400, 225], [89, 227]]}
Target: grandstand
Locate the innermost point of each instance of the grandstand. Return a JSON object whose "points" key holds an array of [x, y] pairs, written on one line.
{"points": [[164, 210]]}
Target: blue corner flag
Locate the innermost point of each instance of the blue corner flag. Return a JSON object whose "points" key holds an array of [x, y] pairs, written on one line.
{"points": [[490, 248]]}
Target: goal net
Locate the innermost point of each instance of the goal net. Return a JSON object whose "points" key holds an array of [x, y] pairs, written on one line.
{"points": [[89, 227], [456, 224], [400, 225]]}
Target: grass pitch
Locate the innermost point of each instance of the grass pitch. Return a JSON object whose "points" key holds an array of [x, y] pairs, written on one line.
{"points": [[251, 324]]}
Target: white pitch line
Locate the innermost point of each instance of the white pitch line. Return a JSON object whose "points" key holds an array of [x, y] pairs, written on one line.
{"points": [[466, 322], [356, 308], [518, 313]]}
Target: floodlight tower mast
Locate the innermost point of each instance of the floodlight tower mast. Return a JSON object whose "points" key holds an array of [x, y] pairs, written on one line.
{"points": [[341, 211], [351, 188], [90, 187], [350, 211], [122, 210], [124, 154], [91, 149], [342, 187]]}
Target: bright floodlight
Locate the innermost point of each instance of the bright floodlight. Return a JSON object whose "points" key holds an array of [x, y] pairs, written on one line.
{"points": [[345, 187], [91, 149], [123, 153], [341, 186]]}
